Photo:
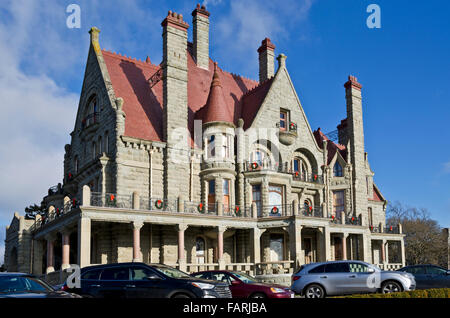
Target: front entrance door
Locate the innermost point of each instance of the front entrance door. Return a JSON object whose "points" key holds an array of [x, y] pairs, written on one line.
{"points": [[338, 249], [276, 248], [307, 247]]}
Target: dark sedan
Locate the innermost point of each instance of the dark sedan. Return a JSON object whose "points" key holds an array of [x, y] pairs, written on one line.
{"points": [[245, 286], [139, 280], [429, 276], [19, 285]]}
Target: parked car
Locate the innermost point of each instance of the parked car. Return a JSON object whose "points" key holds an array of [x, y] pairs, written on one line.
{"points": [[20, 285], [245, 286], [428, 276], [319, 280], [139, 280]]}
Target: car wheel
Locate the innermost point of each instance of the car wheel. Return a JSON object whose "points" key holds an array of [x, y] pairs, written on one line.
{"points": [[181, 296], [258, 295], [390, 287], [314, 291]]}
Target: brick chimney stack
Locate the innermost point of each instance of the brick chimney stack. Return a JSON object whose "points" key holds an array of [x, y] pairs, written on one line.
{"points": [[266, 60], [200, 22]]}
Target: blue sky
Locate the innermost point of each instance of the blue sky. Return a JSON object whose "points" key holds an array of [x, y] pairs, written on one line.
{"points": [[404, 68]]}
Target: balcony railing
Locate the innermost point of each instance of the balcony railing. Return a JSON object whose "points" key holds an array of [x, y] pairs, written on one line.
{"points": [[347, 219], [111, 200], [386, 229], [311, 211], [277, 210], [58, 212], [264, 165], [158, 204]]}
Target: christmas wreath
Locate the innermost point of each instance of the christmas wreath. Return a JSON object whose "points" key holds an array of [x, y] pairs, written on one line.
{"points": [[111, 200], [201, 208], [293, 127], [274, 210], [315, 177], [159, 204], [237, 210], [254, 165]]}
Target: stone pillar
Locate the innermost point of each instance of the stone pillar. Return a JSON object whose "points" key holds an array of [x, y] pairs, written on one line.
{"points": [[86, 196], [136, 203], [181, 254], [383, 252], [342, 217], [137, 255], [295, 242], [65, 249], [327, 243], [254, 211], [295, 208], [50, 254], [387, 252], [344, 246], [220, 231], [402, 251], [181, 200], [84, 241]]}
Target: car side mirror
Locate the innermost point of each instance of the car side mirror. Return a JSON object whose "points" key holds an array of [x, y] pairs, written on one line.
{"points": [[371, 270], [235, 282], [448, 273]]}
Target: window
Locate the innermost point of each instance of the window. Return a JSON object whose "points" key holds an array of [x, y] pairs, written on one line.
{"points": [[370, 217], [76, 164], [306, 205], [337, 268], [300, 167], [91, 275], [226, 194], [317, 270], [115, 273], [256, 192], [337, 170], [283, 120], [338, 202], [200, 250], [140, 273], [276, 199], [211, 195], [94, 150], [210, 147], [420, 270], [434, 270], [226, 146], [222, 277], [91, 113], [106, 143], [359, 268], [100, 145]]}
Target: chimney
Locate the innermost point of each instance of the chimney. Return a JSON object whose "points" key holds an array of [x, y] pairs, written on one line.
{"points": [[175, 105], [355, 136], [266, 60], [200, 22]]}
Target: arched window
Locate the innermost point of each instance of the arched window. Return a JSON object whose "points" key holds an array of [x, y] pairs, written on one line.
{"points": [[100, 145], [337, 170], [306, 205], [91, 113], [300, 166], [94, 150]]}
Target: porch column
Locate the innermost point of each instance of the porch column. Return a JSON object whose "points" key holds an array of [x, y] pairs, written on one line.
{"points": [[220, 231], [344, 246], [402, 251], [327, 243], [367, 247], [387, 252], [65, 249], [181, 254], [50, 254], [295, 242], [84, 241], [137, 255], [383, 252]]}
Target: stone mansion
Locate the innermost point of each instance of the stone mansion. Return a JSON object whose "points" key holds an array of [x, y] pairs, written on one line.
{"points": [[185, 164]]}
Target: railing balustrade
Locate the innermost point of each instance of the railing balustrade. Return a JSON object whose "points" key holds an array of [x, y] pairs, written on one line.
{"points": [[265, 165], [111, 200], [310, 211], [158, 204]]}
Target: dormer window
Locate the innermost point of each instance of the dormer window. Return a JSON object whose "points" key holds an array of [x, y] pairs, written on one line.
{"points": [[337, 170]]}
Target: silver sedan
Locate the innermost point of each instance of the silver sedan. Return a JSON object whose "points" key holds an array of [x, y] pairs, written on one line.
{"points": [[319, 280]]}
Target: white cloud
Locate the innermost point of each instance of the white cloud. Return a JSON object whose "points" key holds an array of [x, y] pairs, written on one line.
{"points": [[240, 32], [447, 167]]}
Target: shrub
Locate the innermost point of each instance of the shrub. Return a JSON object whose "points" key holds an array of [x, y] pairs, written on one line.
{"points": [[428, 293]]}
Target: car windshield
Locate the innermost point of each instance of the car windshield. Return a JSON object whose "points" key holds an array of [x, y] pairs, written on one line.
{"points": [[171, 272], [245, 278], [20, 284]]}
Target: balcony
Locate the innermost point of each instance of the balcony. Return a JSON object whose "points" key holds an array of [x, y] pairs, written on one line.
{"points": [[386, 229], [288, 135], [316, 212], [264, 166], [54, 213], [346, 219]]}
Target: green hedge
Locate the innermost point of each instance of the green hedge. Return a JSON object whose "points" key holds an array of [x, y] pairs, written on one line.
{"points": [[426, 293]]}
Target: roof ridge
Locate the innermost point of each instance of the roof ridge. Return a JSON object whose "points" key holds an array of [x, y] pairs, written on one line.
{"points": [[129, 58], [257, 87]]}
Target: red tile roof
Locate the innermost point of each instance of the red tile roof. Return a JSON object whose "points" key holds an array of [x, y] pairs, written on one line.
{"points": [[331, 146], [376, 195], [143, 103]]}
